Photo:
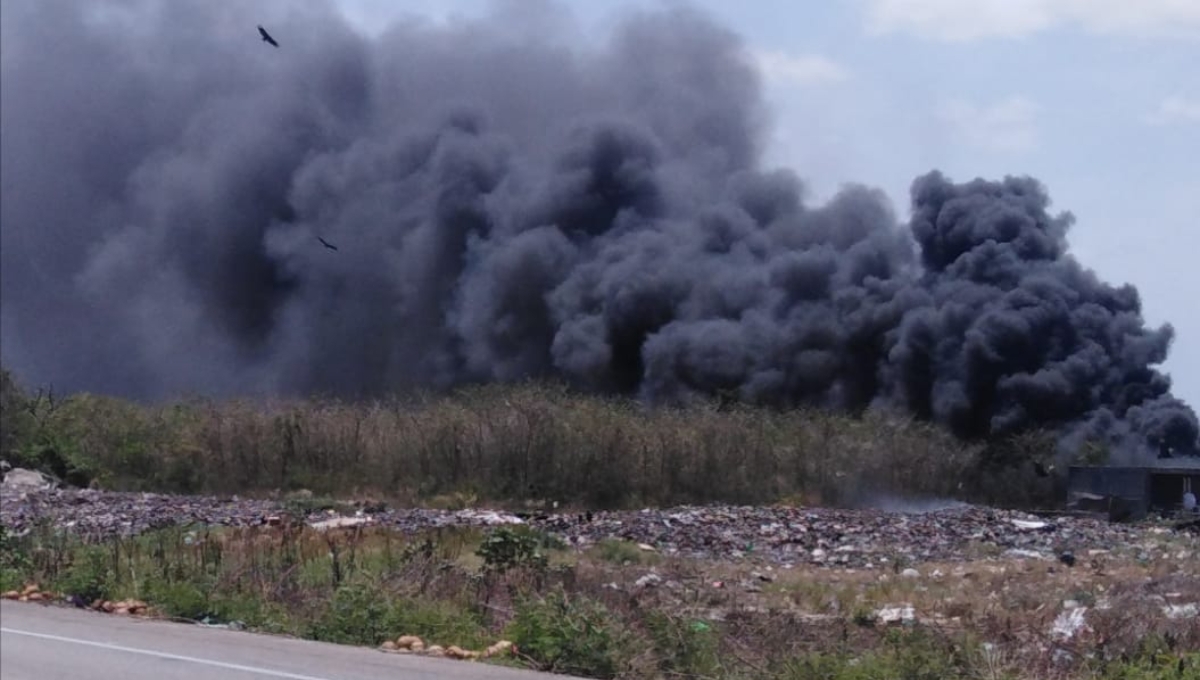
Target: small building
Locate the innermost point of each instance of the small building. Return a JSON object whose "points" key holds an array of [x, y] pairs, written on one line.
{"points": [[1127, 493]]}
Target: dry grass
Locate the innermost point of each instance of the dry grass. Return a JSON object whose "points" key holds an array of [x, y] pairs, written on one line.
{"points": [[515, 443]]}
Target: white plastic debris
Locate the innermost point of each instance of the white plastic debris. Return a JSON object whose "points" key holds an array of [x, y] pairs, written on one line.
{"points": [[489, 517], [648, 580], [1069, 623], [339, 523], [901, 614], [1021, 552], [1182, 611], [1028, 524]]}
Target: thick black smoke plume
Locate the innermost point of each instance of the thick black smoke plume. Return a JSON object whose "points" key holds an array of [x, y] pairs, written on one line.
{"points": [[508, 204]]}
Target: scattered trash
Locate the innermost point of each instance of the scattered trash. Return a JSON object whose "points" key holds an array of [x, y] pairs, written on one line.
{"points": [[209, 622], [1029, 524], [1069, 623], [1182, 611], [649, 580], [791, 535], [488, 517], [340, 523], [1031, 554], [901, 614]]}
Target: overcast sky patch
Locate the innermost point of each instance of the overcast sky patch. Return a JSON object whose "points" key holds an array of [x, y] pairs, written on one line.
{"points": [[957, 20], [799, 69], [1008, 125]]}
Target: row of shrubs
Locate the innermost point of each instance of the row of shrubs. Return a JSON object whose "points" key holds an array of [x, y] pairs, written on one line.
{"points": [[511, 442]]}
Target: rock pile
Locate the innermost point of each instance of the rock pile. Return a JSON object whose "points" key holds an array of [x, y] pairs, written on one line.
{"points": [[123, 607], [30, 593], [411, 644]]}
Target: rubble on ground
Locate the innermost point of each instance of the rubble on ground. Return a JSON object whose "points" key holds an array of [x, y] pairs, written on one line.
{"points": [[20, 480], [780, 535]]}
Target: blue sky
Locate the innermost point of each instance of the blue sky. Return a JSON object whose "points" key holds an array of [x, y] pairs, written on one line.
{"points": [[1098, 99]]}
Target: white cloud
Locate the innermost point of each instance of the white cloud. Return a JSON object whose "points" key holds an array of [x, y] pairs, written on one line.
{"points": [[963, 20], [1009, 125], [1175, 109], [809, 69]]}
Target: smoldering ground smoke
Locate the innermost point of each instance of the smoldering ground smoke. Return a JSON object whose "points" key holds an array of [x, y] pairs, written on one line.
{"points": [[508, 203]]}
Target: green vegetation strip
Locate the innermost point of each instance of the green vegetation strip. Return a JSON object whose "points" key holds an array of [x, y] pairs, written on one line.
{"points": [[470, 588]]}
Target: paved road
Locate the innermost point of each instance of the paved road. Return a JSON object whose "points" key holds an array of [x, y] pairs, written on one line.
{"points": [[39, 642]]}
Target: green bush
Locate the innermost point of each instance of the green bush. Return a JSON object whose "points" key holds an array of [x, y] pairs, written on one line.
{"points": [[571, 635], [16, 422], [362, 613], [513, 547], [90, 575], [14, 561], [356, 615], [181, 598], [687, 649]]}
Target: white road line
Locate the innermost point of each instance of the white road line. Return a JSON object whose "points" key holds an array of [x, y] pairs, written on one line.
{"points": [[164, 655]]}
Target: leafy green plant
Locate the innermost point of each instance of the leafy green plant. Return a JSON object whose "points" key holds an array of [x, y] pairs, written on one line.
{"points": [[684, 648], [356, 615], [90, 575], [568, 634], [514, 547], [360, 613], [14, 561], [181, 598], [12, 553]]}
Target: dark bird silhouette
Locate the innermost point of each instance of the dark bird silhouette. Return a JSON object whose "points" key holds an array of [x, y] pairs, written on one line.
{"points": [[1067, 558], [1041, 470], [267, 36], [327, 244]]}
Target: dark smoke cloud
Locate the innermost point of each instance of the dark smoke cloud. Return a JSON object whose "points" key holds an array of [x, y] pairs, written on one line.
{"points": [[509, 204]]}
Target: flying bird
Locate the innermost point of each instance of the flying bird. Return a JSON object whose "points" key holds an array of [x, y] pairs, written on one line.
{"points": [[267, 36], [327, 244]]}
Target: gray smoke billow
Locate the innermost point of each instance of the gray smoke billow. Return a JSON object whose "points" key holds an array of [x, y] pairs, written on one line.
{"points": [[510, 204]]}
